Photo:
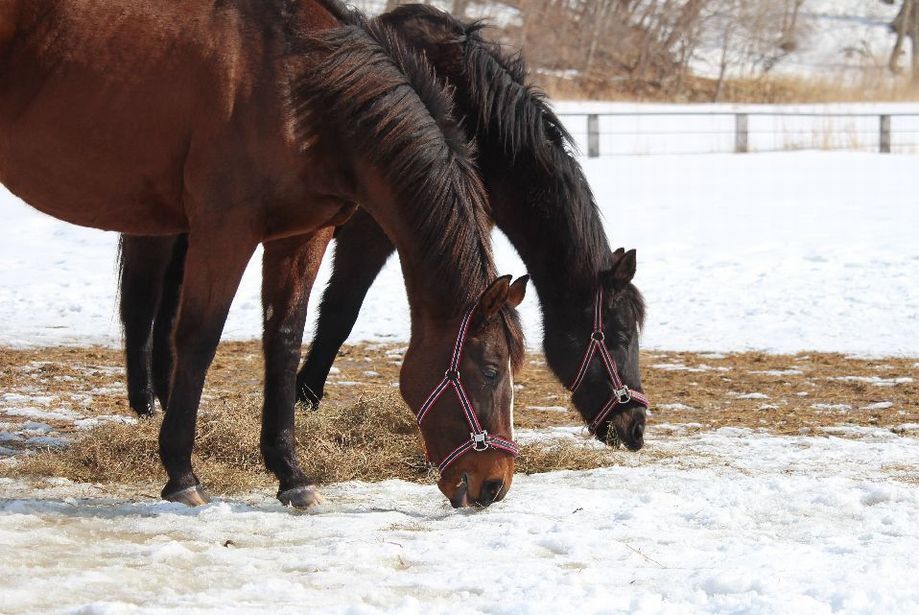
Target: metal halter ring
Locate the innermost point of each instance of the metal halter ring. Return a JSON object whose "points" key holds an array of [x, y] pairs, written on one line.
{"points": [[452, 375], [479, 441], [623, 395], [598, 336]]}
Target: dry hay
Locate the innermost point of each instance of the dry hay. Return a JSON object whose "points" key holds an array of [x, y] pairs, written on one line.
{"points": [[373, 439], [363, 430]]}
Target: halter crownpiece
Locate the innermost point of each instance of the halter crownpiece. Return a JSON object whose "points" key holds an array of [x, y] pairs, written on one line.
{"points": [[479, 439], [597, 345]]}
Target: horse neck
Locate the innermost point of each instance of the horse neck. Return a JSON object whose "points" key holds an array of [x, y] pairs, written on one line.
{"points": [[538, 193], [552, 221], [440, 287]]}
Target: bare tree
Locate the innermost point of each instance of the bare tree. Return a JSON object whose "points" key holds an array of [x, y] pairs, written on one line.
{"points": [[906, 27]]}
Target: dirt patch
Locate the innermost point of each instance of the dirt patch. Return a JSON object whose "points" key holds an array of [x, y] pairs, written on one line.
{"points": [[364, 431]]}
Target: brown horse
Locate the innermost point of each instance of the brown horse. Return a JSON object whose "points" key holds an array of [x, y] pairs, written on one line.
{"points": [[247, 121], [540, 199]]}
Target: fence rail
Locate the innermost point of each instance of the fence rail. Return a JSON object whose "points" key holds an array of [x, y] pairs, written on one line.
{"points": [[607, 133]]}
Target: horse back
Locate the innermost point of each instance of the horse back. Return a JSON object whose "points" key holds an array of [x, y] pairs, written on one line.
{"points": [[103, 101]]}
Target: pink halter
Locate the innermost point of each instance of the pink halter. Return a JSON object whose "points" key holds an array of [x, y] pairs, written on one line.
{"points": [[621, 393], [479, 439]]}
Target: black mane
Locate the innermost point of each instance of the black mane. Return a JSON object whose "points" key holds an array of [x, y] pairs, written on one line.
{"points": [[387, 101], [514, 115]]}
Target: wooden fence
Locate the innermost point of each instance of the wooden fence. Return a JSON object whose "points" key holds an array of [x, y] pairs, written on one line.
{"points": [[604, 134]]}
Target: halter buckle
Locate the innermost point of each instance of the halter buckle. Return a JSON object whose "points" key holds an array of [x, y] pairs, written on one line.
{"points": [[623, 395], [479, 441], [452, 375], [598, 336]]}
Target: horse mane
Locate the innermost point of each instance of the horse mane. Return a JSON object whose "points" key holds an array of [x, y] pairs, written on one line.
{"points": [[387, 101], [634, 303], [515, 114]]}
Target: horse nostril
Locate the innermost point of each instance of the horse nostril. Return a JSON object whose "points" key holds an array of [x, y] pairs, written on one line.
{"points": [[638, 432], [490, 491]]}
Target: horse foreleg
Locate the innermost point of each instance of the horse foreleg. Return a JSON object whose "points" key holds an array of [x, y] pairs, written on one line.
{"points": [[361, 250], [213, 268], [289, 268], [144, 261]]}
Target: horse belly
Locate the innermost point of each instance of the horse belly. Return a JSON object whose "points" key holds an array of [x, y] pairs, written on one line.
{"points": [[75, 151], [81, 186]]}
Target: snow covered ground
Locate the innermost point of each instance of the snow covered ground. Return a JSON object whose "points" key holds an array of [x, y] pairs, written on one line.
{"points": [[778, 252], [725, 522]]}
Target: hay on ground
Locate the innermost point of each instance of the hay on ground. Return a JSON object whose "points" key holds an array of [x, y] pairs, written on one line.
{"points": [[373, 439]]}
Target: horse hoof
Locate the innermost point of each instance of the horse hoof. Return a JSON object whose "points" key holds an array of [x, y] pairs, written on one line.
{"points": [[301, 497], [306, 396], [192, 496], [145, 407]]}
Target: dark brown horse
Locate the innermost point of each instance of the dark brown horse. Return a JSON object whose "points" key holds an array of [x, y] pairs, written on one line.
{"points": [[256, 121], [540, 199]]}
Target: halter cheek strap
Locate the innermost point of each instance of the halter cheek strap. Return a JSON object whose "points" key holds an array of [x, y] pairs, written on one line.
{"points": [[479, 439], [597, 345]]}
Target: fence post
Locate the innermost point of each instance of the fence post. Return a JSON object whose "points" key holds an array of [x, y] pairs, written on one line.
{"points": [[593, 136], [741, 133], [885, 134]]}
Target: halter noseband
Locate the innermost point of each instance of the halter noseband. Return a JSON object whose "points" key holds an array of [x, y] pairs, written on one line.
{"points": [[597, 344], [479, 439]]}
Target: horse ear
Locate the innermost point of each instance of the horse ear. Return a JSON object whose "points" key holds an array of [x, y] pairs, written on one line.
{"points": [[617, 255], [494, 297], [517, 291], [622, 272]]}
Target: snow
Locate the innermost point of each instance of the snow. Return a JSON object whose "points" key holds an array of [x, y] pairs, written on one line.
{"points": [[675, 406], [874, 380], [831, 406], [778, 372], [677, 366], [726, 521], [561, 409]]}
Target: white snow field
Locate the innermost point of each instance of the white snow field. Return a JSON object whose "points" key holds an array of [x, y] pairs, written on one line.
{"points": [[725, 522], [779, 252]]}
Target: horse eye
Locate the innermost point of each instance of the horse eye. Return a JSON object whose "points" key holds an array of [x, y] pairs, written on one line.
{"points": [[490, 373]]}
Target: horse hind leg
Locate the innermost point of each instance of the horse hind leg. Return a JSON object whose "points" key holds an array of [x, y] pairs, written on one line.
{"points": [[361, 250], [214, 267], [143, 262], [164, 324], [289, 269]]}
